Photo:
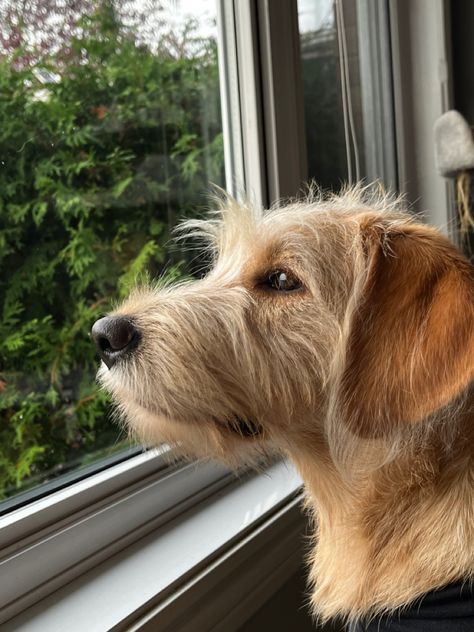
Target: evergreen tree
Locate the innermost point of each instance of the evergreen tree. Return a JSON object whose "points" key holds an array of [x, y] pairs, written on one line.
{"points": [[104, 143]]}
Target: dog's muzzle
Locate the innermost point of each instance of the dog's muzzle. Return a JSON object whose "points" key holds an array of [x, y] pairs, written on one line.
{"points": [[115, 338]]}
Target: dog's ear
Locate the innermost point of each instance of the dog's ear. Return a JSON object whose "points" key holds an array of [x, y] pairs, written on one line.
{"points": [[411, 345]]}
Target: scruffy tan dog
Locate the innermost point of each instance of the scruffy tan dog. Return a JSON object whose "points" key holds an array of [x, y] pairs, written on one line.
{"points": [[338, 332]]}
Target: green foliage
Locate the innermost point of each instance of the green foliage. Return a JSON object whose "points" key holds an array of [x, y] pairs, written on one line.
{"points": [[95, 168]]}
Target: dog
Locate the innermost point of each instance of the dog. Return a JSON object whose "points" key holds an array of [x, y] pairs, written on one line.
{"points": [[339, 332]]}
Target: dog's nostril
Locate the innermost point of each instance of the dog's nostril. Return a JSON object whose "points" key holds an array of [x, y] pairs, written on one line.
{"points": [[103, 343], [113, 337]]}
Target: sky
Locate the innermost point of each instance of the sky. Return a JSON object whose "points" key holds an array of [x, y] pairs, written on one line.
{"points": [[312, 15]]}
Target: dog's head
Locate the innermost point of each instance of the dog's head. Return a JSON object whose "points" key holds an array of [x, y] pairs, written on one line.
{"points": [[313, 317]]}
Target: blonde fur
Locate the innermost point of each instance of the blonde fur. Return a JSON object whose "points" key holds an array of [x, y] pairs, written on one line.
{"points": [[362, 378]]}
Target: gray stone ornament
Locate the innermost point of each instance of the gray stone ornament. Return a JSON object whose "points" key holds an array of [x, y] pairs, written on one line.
{"points": [[454, 144]]}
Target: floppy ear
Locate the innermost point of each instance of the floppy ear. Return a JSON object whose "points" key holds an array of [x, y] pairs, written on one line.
{"points": [[411, 345]]}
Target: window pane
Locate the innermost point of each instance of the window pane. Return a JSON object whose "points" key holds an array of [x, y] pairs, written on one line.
{"points": [[110, 132], [332, 91]]}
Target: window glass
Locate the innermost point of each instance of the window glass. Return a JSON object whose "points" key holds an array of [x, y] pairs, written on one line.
{"points": [[110, 132], [332, 91]]}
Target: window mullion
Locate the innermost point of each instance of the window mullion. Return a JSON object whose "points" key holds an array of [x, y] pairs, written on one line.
{"points": [[251, 112], [419, 36], [230, 98], [377, 94], [262, 99]]}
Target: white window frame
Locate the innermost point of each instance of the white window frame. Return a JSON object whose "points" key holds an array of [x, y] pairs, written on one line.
{"points": [[156, 578], [376, 78], [420, 49], [264, 121], [54, 539]]}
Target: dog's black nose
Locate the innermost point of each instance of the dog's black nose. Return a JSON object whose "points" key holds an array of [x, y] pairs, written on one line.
{"points": [[114, 337]]}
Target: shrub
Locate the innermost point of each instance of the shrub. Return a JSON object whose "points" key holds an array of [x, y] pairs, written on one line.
{"points": [[102, 146]]}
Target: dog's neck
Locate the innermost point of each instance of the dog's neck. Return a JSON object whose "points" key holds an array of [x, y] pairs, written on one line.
{"points": [[388, 538]]}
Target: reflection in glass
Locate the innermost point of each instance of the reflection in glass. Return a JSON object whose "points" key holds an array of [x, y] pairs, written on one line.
{"points": [[330, 145]]}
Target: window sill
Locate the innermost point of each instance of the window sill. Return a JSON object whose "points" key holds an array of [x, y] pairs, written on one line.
{"points": [[52, 541], [210, 567]]}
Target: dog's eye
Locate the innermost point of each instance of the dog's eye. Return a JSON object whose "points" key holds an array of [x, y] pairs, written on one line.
{"points": [[282, 282]]}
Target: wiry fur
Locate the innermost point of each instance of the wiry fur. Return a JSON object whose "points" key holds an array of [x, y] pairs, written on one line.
{"points": [[362, 378]]}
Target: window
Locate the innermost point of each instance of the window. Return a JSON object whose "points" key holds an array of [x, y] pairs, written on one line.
{"points": [[111, 132]]}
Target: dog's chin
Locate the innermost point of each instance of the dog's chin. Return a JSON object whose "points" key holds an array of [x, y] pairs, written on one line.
{"points": [[231, 427], [151, 423]]}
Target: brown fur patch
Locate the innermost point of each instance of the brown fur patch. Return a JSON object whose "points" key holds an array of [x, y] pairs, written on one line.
{"points": [[410, 349]]}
